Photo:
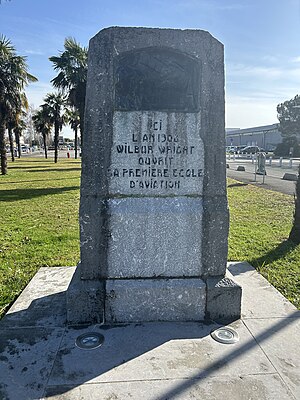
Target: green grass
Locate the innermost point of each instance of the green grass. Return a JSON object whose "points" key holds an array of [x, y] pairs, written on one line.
{"points": [[39, 221], [39, 227], [260, 222]]}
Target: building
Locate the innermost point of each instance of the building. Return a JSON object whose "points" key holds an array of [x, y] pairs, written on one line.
{"points": [[267, 137]]}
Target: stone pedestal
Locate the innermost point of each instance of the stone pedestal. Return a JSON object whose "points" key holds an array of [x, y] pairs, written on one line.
{"points": [[153, 210]]}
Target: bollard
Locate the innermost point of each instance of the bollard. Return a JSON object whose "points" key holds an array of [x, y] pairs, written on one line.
{"points": [[233, 156], [280, 161], [261, 166], [291, 163], [68, 154], [290, 177], [270, 161], [253, 158]]}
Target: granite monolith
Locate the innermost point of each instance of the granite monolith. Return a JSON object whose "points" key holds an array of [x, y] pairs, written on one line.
{"points": [[153, 207]]}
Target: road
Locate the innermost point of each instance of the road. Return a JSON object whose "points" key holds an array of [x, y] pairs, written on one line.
{"points": [[41, 154], [273, 179]]}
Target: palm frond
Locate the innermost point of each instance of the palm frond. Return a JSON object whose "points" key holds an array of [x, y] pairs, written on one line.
{"points": [[72, 66]]}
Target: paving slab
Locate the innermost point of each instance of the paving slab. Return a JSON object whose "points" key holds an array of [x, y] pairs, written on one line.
{"points": [[258, 387], [281, 347], [158, 360], [157, 351], [43, 301], [27, 356], [260, 299]]}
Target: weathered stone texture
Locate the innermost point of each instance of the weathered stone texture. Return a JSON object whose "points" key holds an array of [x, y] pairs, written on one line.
{"points": [[155, 300], [153, 214], [223, 299]]}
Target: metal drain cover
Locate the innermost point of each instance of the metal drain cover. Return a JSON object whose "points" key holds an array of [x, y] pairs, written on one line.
{"points": [[90, 340], [225, 335]]}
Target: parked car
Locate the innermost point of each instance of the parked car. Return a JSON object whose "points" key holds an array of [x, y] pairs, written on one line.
{"points": [[239, 149], [230, 149], [25, 149], [252, 150], [234, 149]]}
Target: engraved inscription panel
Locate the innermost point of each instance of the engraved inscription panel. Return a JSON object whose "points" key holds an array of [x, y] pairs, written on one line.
{"points": [[156, 153], [156, 79]]}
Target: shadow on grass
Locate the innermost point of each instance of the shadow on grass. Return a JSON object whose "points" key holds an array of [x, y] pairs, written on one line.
{"points": [[38, 180], [237, 184], [275, 254], [23, 166], [57, 169], [24, 194], [45, 168], [27, 160]]}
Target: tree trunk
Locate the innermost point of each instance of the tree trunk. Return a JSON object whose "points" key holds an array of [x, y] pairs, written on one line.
{"points": [[76, 141], [81, 125], [295, 232], [45, 145], [56, 134], [3, 149], [11, 144], [18, 143]]}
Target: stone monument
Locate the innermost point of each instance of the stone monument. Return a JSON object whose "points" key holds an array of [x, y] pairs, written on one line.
{"points": [[153, 208]]}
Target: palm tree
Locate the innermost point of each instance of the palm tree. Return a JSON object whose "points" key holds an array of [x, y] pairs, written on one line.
{"points": [[10, 127], [16, 124], [54, 106], [72, 67], [19, 127], [42, 125], [74, 122], [13, 79]]}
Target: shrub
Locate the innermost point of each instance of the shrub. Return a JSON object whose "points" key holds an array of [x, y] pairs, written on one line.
{"points": [[283, 149]]}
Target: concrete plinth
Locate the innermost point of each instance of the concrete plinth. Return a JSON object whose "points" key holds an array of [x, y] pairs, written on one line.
{"points": [[224, 299], [85, 300], [155, 360], [139, 300]]}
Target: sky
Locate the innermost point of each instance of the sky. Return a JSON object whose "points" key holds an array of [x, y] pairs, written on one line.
{"points": [[261, 40]]}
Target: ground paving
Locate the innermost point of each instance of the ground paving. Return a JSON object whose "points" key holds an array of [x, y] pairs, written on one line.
{"points": [[151, 361]]}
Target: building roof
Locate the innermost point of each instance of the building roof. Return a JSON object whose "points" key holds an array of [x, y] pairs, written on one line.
{"points": [[255, 129]]}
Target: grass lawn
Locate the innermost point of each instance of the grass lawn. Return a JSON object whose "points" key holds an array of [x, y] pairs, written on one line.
{"points": [[260, 223], [39, 227], [39, 221]]}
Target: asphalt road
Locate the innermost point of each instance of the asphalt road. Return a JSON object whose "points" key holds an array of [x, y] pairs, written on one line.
{"points": [[40, 154], [273, 179]]}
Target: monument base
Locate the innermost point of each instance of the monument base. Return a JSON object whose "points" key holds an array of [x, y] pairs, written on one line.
{"points": [[224, 299], [85, 300], [143, 300]]}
